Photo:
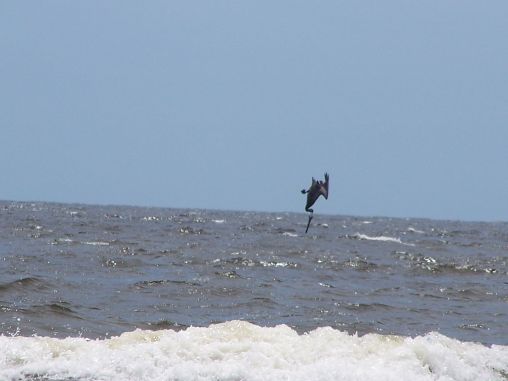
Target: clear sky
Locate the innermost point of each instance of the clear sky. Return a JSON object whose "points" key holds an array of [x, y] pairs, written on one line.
{"points": [[237, 104]]}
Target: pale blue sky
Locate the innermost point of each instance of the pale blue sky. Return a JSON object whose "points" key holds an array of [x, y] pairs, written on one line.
{"points": [[163, 103]]}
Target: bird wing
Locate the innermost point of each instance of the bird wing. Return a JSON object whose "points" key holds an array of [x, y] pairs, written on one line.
{"points": [[324, 186]]}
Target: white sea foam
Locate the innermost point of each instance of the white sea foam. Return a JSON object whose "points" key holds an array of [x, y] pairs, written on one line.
{"points": [[62, 240], [274, 264], [289, 234], [218, 221], [242, 351], [95, 243], [380, 238], [151, 218]]}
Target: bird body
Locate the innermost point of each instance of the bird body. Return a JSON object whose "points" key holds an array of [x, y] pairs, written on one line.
{"points": [[317, 188]]}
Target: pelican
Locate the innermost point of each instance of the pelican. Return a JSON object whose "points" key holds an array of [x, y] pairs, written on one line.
{"points": [[316, 189]]}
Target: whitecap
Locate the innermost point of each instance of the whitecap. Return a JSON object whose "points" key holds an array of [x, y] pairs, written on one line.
{"points": [[288, 234], [239, 350], [273, 264], [151, 218], [95, 243], [380, 238], [413, 230], [62, 240]]}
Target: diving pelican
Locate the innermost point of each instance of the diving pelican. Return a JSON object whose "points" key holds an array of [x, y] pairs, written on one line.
{"points": [[316, 189]]}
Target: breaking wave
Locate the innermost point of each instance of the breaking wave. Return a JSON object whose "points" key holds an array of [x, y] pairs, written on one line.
{"points": [[239, 350], [380, 238]]}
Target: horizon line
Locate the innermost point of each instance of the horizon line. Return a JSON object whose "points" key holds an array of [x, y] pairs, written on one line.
{"points": [[360, 216]]}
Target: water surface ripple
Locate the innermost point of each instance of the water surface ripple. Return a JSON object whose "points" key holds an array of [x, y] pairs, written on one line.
{"points": [[98, 271]]}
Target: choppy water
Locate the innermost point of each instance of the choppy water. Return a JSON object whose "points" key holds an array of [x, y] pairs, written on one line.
{"points": [[94, 272]]}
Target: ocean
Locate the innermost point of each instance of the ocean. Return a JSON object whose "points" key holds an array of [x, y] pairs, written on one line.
{"points": [[133, 293]]}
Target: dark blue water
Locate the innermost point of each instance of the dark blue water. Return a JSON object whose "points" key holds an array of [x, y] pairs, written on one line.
{"points": [[96, 271]]}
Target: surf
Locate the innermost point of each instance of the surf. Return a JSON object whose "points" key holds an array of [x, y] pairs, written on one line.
{"points": [[239, 350]]}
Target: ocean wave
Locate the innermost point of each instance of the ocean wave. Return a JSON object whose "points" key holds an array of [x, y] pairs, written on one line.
{"points": [[247, 262], [95, 243], [452, 265], [380, 238], [24, 284], [238, 350], [413, 230]]}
